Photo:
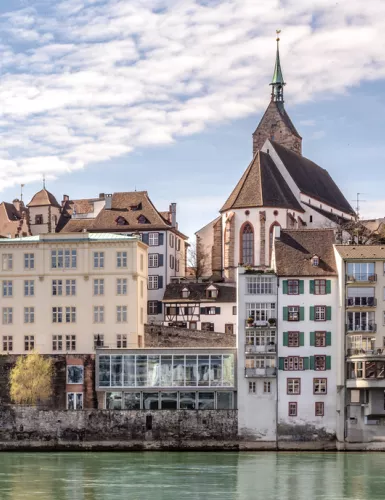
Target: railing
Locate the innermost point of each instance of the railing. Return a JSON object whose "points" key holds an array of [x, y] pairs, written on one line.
{"points": [[251, 349], [260, 372], [362, 327], [361, 277], [364, 352], [361, 302], [261, 324]]}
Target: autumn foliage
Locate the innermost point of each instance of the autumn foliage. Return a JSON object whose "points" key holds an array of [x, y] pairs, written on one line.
{"points": [[31, 379]]}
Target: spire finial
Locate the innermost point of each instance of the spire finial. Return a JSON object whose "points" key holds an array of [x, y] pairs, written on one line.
{"points": [[277, 82], [43, 181]]}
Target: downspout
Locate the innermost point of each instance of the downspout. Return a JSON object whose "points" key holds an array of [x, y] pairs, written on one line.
{"points": [[277, 372]]}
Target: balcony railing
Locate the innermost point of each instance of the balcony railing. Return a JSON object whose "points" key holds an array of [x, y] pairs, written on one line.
{"points": [[364, 352], [361, 277], [255, 349], [272, 323], [361, 302], [260, 372], [361, 327]]}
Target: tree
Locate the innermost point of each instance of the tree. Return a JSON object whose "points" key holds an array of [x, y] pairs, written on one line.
{"points": [[198, 259], [31, 379], [359, 232]]}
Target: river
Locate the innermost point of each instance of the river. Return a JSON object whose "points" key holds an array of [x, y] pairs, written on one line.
{"points": [[195, 475]]}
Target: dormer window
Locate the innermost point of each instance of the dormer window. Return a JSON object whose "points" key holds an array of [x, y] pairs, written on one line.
{"points": [[315, 261], [121, 221], [211, 292], [185, 293], [143, 220], [137, 207]]}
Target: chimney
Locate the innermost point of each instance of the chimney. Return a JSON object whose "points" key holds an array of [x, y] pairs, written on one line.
{"points": [[101, 196], [173, 214], [108, 204], [65, 199], [277, 232], [17, 204]]}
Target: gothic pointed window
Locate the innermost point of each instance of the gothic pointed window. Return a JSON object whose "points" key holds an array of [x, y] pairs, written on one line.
{"points": [[247, 244]]}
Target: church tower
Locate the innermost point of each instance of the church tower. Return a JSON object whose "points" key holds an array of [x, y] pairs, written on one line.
{"points": [[275, 123]]}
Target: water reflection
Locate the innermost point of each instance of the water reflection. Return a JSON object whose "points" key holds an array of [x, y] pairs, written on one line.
{"points": [[195, 475]]}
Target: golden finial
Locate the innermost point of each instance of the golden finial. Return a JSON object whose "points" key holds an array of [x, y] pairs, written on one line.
{"points": [[278, 32]]}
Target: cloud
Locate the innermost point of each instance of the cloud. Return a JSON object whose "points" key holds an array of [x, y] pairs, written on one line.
{"points": [[88, 80]]}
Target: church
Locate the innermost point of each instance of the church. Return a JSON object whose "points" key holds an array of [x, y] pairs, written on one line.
{"points": [[280, 187]]}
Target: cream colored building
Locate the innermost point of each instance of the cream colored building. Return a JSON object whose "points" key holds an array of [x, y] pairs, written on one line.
{"points": [[65, 293]]}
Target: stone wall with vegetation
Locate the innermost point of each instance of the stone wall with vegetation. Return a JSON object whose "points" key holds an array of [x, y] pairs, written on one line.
{"points": [[168, 336]]}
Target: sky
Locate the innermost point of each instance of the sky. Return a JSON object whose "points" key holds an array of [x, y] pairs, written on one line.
{"points": [[163, 96]]}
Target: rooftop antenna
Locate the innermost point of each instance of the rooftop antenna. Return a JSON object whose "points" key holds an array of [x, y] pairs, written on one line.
{"points": [[357, 202], [21, 191]]}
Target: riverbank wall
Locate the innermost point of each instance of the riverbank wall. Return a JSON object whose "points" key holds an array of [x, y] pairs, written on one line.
{"points": [[29, 428]]}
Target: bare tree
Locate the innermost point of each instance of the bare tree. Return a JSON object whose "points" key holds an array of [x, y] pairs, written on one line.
{"points": [[198, 259], [358, 232]]}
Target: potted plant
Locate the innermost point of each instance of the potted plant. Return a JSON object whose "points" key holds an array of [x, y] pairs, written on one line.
{"points": [[250, 321], [272, 321]]}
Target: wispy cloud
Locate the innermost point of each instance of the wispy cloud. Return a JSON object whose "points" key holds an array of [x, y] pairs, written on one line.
{"points": [[88, 80]]}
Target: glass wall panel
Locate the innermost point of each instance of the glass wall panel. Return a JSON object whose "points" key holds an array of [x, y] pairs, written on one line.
{"points": [[228, 370], [153, 379], [116, 371], [104, 371], [114, 400], [187, 400], [191, 370], [205, 401], [129, 371], [141, 371], [224, 400], [216, 370], [169, 400], [131, 400], [166, 371], [151, 400], [203, 370], [178, 371]]}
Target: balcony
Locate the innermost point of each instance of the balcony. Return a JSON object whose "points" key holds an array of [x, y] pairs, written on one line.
{"points": [[361, 302], [260, 372], [365, 353], [259, 325], [361, 278], [361, 327], [262, 349]]}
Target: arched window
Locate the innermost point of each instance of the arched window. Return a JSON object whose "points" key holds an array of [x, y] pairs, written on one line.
{"points": [[247, 244]]}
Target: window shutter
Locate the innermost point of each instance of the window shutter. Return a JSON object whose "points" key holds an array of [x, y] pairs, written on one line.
{"points": [[203, 310], [301, 287], [328, 338], [311, 362], [217, 310], [328, 313], [301, 313], [160, 259], [328, 362], [160, 281], [284, 286], [328, 286], [312, 339], [301, 339], [285, 338], [281, 363], [160, 239], [145, 238], [160, 307], [285, 313], [311, 286], [312, 313], [305, 363]]}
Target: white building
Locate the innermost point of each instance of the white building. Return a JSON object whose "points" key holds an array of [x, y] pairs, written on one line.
{"points": [[256, 348], [63, 293], [308, 334], [201, 306]]}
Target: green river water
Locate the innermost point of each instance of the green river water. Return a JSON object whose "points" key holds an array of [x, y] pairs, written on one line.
{"points": [[171, 476]]}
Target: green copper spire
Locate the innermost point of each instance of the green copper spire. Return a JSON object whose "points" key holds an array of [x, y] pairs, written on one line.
{"points": [[278, 82]]}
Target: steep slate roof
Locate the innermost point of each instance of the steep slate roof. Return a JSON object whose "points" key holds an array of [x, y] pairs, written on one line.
{"points": [[311, 179], [173, 293], [43, 198], [262, 185], [295, 248], [361, 251]]}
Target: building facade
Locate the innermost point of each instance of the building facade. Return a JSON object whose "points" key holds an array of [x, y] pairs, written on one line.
{"points": [[308, 333], [257, 355], [201, 306]]}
